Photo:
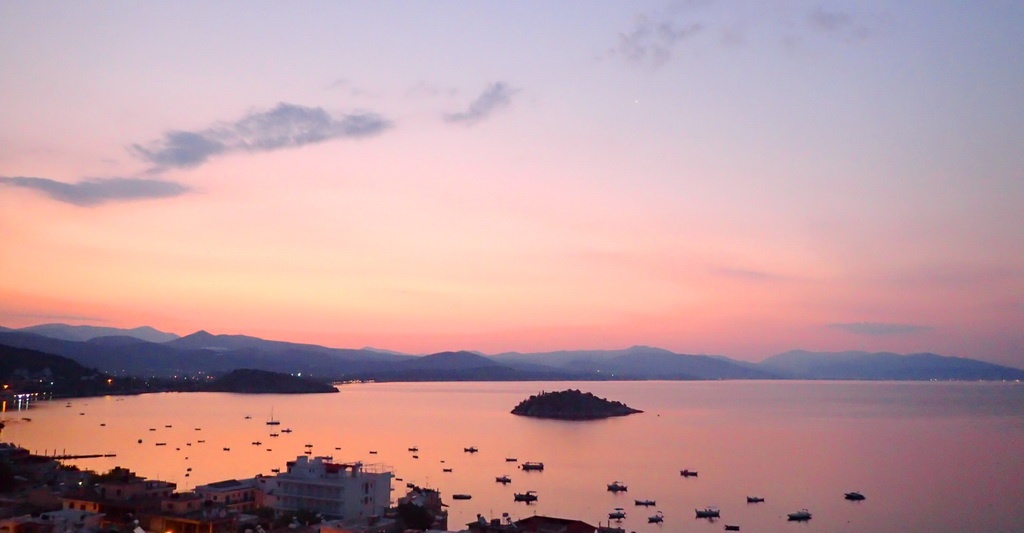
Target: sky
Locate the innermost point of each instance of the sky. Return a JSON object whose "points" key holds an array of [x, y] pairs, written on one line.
{"points": [[709, 177]]}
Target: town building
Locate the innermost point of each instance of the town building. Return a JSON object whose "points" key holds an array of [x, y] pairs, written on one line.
{"points": [[243, 496], [334, 490]]}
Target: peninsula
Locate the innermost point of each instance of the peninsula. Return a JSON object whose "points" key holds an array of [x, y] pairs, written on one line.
{"points": [[571, 405]]}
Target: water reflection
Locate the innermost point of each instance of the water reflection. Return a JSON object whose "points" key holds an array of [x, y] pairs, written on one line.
{"points": [[920, 452]]}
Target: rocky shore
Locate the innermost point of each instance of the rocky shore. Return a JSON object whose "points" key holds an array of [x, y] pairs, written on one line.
{"points": [[571, 404]]}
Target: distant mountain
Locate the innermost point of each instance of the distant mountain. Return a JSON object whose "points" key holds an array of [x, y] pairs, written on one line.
{"points": [[84, 333], [203, 340], [638, 362], [801, 364]]}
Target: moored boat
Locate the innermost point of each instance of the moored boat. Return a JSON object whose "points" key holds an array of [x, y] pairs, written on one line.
{"points": [[461, 496], [645, 503], [854, 496], [532, 465], [503, 479], [617, 514], [732, 528], [688, 473], [708, 512], [801, 515], [528, 496], [617, 486], [656, 518], [471, 449], [754, 499]]}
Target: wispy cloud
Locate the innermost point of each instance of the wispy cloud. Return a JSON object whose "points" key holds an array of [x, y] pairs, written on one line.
{"points": [[284, 126], [97, 191], [749, 275], [653, 41], [838, 23], [495, 97], [879, 329]]}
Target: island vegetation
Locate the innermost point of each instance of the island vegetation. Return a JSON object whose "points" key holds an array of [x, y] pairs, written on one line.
{"points": [[571, 404]]}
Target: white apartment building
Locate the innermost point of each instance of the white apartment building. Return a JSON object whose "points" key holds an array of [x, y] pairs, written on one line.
{"points": [[335, 490]]}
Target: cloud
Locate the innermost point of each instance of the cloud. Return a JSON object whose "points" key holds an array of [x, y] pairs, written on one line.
{"points": [[284, 126], [749, 275], [495, 97], [97, 191], [838, 23], [879, 328], [653, 42]]}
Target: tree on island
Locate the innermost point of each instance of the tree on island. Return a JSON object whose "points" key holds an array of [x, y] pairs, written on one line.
{"points": [[571, 404]]}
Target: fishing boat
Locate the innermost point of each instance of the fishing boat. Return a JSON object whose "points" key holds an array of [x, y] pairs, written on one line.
{"points": [[645, 503], [617, 514], [446, 469], [656, 518], [471, 449], [503, 479]]}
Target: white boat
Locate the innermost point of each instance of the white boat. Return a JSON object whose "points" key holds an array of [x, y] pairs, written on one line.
{"points": [[617, 514], [802, 514], [617, 486]]}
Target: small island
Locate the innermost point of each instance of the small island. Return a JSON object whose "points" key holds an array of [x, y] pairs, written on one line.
{"points": [[571, 405], [250, 381]]}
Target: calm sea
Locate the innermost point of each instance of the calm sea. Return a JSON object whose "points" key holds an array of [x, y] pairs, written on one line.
{"points": [[928, 456]]}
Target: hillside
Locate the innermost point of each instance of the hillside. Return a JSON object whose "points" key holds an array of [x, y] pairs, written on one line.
{"points": [[250, 381], [801, 364]]}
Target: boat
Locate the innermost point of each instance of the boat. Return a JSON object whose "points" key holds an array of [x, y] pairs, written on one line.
{"points": [[656, 518], [510, 459], [247, 417], [471, 449], [227, 449], [528, 496], [616, 486], [373, 452], [275, 470], [854, 496], [410, 485], [609, 528], [688, 473], [415, 457], [461, 496], [446, 469], [257, 443], [271, 421], [414, 449], [309, 445], [732, 528], [286, 430], [161, 444], [617, 514], [532, 466], [503, 479], [273, 434], [801, 515], [708, 512], [645, 503], [754, 499]]}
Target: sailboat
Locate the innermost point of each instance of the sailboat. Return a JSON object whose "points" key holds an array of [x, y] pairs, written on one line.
{"points": [[273, 422]]}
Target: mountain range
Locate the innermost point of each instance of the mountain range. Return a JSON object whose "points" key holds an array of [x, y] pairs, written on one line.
{"points": [[147, 352]]}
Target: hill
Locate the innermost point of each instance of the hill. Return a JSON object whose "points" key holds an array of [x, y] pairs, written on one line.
{"points": [[84, 333], [251, 381], [801, 364]]}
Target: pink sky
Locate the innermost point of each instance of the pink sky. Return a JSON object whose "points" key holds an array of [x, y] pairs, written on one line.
{"points": [[733, 178]]}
